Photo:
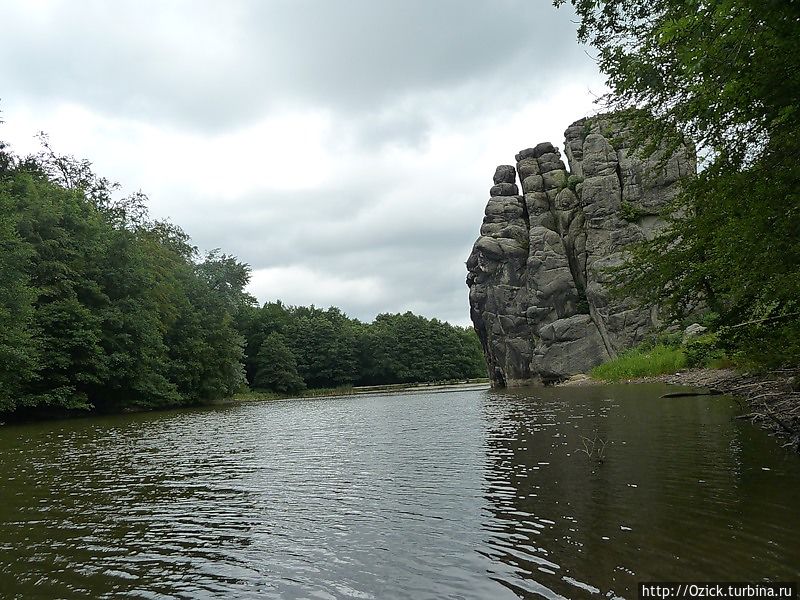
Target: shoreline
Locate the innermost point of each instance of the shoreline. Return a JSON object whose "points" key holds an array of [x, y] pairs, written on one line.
{"points": [[377, 390], [771, 401], [251, 396]]}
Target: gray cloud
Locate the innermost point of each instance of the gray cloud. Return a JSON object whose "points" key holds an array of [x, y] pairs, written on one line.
{"points": [[383, 233], [214, 65]]}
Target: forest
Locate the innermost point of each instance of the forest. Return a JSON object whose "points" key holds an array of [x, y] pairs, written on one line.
{"points": [[103, 307], [725, 77]]}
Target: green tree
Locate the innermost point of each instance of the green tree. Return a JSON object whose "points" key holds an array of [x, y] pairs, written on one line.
{"points": [[142, 296], [256, 324], [405, 348], [725, 75], [325, 346], [18, 349], [276, 367], [101, 306], [66, 236], [205, 349], [227, 277]]}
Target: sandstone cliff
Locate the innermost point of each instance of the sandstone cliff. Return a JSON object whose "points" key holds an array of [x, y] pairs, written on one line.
{"points": [[539, 290]]}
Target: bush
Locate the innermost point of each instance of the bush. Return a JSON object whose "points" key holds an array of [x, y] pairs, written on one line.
{"points": [[629, 212], [671, 339], [573, 181], [641, 362], [703, 350], [762, 346]]}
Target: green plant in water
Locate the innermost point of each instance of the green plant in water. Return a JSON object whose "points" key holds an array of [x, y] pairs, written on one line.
{"points": [[594, 447]]}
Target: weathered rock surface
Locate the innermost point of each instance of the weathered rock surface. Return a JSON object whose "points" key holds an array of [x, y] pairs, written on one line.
{"points": [[539, 289]]}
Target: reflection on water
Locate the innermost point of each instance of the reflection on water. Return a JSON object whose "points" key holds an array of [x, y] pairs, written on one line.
{"points": [[472, 494], [683, 493]]}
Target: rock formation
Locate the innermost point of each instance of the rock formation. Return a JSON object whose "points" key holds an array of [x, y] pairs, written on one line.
{"points": [[539, 288]]}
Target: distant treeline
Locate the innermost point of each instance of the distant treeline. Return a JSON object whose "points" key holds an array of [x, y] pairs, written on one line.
{"points": [[103, 307], [290, 348]]}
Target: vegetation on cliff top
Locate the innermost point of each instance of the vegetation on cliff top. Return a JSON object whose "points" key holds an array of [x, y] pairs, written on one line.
{"points": [[725, 75]]}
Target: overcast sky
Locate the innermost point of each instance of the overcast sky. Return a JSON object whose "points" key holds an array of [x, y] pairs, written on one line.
{"points": [[344, 149]]}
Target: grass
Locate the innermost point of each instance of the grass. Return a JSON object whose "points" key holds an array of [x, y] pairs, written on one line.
{"points": [[656, 360]]}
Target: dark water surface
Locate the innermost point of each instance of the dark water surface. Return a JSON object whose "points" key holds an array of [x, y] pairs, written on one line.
{"points": [[469, 494]]}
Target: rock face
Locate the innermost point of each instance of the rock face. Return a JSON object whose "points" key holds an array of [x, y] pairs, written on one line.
{"points": [[539, 291]]}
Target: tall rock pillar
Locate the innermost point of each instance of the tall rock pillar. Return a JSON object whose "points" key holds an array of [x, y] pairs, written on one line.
{"points": [[539, 273]]}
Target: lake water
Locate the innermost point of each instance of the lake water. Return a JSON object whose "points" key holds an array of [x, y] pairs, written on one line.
{"points": [[465, 494]]}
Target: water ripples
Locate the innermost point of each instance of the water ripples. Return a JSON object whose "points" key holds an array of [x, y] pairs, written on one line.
{"points": [[459, 495]]}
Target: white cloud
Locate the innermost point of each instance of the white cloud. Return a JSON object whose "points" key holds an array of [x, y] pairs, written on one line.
{"points": [[337, 194], [295, 284]]}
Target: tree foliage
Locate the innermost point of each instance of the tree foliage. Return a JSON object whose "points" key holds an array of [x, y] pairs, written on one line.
{"points": [[277, 366], [403, 348], [101, 306], [329, 349], [724, 75]]}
